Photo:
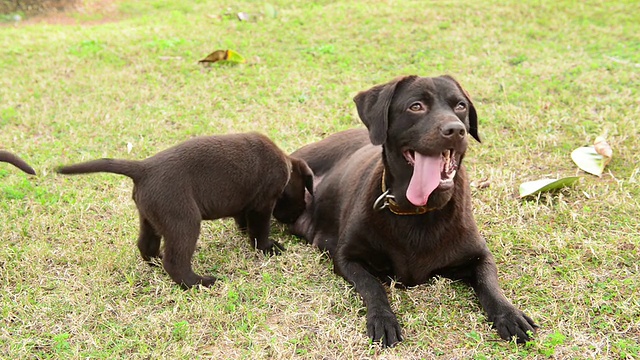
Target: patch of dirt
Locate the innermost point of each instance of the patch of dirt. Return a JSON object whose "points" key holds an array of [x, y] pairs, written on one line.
{"points": [[63, 12], [33, 7]]}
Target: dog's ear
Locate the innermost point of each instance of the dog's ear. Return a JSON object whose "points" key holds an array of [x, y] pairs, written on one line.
{"points": [[473, 115], [373, 109], [306, 172], [308, 178]]}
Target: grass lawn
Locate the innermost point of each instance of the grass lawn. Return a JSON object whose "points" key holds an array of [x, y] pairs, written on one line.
{"points": [[546, 77]]}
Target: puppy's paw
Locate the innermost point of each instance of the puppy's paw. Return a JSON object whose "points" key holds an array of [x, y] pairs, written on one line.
{"points": [[274, 249], [513, 322], [383, 326], [208, 280]]}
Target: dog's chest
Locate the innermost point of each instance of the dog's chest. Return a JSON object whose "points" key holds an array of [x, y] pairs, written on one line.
{"points": [[417, 268], [418, 256]]}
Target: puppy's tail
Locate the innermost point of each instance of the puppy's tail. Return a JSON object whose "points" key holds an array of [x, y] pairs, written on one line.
{"points": [[130, 168], [14, 160]]}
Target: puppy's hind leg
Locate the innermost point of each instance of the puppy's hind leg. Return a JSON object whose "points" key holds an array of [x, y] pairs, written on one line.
{"points": [[148, 241], [258, 226], [179, 244], [241, 222]]}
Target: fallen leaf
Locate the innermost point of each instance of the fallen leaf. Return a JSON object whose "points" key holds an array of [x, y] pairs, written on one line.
{"points": [[234, 57], [223, 55], [589, 160], [481, 184], [603, 148], [270, 10], [533, 187], [215, 56], [243, 16]]}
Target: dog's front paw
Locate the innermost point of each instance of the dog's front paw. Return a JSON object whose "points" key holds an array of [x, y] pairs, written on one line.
{"points": [[383, 326], [274, 249], [513, 322]]}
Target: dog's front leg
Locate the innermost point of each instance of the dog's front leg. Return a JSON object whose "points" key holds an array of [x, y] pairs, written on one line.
{"points": [[506, 318], [382, 324], [258, 227]]}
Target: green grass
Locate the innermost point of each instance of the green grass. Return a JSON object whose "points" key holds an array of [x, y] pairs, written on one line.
{"points": [[546, 77]]}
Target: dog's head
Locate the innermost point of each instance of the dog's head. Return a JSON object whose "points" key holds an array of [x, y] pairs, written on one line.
{"points": [[422, 125], [292, 203]]}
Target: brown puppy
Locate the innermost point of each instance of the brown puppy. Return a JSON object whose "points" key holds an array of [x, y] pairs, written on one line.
{"points": [[205, 178], [402, 210], [14, 160]]}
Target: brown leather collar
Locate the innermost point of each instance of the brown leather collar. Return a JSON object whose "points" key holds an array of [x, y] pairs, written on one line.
{"points": [[387, 200]]}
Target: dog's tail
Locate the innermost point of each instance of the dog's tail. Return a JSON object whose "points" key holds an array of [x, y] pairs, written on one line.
{"points": [[14, 160], [131, 168]]}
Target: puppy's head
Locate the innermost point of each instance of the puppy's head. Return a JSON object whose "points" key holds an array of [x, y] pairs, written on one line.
{"points": [[422, 124], [291, 203]]}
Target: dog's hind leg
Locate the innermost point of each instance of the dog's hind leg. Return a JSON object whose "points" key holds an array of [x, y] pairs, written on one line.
{"points": [[148, 241], [241, 222], [179, 244], [258, 226]]}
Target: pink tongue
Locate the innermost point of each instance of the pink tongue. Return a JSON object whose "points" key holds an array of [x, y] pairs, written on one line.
{"points": [[425, 179]]}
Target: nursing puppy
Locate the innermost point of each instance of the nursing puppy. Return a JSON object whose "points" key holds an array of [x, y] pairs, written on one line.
{"points": [[245, 176], [14, 160], [392, 202]]}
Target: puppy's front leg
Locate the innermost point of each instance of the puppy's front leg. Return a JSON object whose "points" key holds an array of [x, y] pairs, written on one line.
{"points": [[506, 318], [382, 324], [257, 222]]}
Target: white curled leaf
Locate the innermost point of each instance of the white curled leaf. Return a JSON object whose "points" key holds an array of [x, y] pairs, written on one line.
{"points": [[588, 159], [533, 187]]}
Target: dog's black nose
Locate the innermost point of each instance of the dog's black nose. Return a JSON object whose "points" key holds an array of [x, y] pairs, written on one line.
{"points": [[453, 129]]}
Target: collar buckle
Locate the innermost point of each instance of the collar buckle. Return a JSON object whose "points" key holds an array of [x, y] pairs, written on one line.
{"points": [[387, 200], [383, 201]]}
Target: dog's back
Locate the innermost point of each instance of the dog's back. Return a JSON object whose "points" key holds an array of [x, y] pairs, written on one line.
{"points": [[323, 155], [223, 174]]}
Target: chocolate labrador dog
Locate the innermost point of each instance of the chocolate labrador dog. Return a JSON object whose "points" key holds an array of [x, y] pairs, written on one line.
{"points": [[393, 202], [14, 160], [245, 176]]}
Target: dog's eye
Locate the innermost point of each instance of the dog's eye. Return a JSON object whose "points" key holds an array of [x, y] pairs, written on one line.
{"points": [[416, 106], [461, 106]]}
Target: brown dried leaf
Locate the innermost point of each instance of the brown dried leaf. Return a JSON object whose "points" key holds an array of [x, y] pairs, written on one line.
{"points": [[481, 184], [603, 148], [215, 56]]}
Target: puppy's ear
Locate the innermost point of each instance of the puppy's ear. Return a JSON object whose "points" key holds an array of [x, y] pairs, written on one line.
{"points": [[306, 172], [373, 109], [473, 115], [308, 178]]}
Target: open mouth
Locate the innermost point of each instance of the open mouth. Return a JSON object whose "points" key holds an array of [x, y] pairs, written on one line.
{"points": [[448, 165], [429, 173]]}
